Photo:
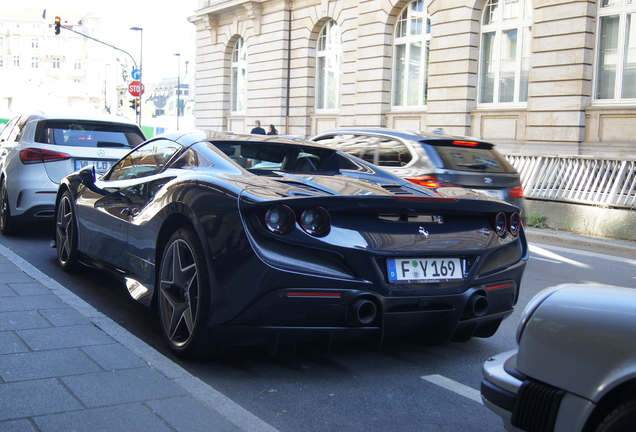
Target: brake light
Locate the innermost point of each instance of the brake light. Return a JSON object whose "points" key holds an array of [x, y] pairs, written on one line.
{"points": [[517, 192], [430, 181], [34, 156], [466, 143]]}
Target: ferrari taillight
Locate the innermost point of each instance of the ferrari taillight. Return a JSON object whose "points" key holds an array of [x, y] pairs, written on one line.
{"points": [[280, 219], [315, 221], [514, 225], [30, 156], [502, 223], [499, 224]]}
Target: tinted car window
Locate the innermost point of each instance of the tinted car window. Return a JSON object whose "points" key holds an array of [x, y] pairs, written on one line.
{"points": [[144, 161], [393, 153], [278, 157], [466, 159], [87, 134]]}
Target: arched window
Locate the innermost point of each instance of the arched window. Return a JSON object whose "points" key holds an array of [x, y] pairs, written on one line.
{"points": [[329, 54], [410, 53], [505, 51], [239, 77], [616, 56]]}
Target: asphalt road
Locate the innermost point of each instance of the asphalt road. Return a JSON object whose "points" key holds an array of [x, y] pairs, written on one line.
{"points": [[401, 387]]}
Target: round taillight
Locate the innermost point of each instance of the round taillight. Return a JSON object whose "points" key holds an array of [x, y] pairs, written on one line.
{"points": [[280, 219], [500, 224], [315, 221], [515, 224]]}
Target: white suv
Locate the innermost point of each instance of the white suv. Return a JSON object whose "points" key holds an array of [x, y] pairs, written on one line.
{"points": [[38, 149]]}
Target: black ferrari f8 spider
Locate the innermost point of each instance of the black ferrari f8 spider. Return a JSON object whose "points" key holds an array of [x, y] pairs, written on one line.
{"points": [[244, 240]]}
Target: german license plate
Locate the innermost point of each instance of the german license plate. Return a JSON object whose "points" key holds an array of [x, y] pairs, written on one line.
{"points": [[100, 166], [418, 270], [497, 193]]}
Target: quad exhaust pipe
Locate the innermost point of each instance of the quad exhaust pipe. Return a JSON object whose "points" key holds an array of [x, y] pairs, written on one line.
{"points": [[362, 311]]}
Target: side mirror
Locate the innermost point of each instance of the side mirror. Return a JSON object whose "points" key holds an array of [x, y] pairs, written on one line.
{"points": [[87, 177]]}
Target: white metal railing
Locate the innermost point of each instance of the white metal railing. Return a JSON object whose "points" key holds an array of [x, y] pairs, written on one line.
{"points": [[578, 179]]}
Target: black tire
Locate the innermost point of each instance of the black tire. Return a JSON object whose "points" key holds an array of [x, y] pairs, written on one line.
{"points": [[66, 233], [184, 297], [622, 419], [8, 224]]}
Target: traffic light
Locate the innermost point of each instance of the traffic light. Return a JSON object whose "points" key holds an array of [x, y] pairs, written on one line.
{"points": [[135, 104], [58, 22]]}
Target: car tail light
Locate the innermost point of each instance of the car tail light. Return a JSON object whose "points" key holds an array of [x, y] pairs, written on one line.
{"points": [[514, 225], [34, 156], [499, 224], [280, 219], [430, 181], [517, 192], [502, 223], [315, 221], [466, 143]]}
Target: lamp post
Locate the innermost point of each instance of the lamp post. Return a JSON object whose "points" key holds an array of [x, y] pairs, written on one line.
{"points": [[178, 87], [141, 50]]}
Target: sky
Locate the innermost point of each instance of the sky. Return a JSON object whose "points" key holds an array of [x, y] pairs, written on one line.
{"points": [[166, 30]]}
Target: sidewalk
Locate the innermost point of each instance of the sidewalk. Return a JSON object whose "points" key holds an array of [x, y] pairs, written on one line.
{"points": [[64, 366]]}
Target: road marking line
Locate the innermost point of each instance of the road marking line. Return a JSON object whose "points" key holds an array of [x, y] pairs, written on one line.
{"points": [[454, 386]]}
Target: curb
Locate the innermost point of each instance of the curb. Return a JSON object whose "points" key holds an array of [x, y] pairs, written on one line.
{"points": [[208, 396]]}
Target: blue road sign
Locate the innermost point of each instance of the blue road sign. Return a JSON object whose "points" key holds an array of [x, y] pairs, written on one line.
{"points": [[135, 74]]}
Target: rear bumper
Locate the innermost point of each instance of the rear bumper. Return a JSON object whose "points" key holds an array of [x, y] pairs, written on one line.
{"points": [[299, 315]]}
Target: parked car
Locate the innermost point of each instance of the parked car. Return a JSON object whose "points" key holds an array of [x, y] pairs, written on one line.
{"points": [[245, 239], [38, 149], [431, 159], [575, 368]]}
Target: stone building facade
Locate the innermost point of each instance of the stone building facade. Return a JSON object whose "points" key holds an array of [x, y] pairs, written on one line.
{"points": [[536, 77]]}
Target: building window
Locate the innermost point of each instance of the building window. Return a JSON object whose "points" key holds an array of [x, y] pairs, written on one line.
{"points": [[56, 62], [410, 54], [35, 43], [239, 77], [77, 64], [35, 62], [505, 51], [616, 56], [16, 61], [329, 53]]}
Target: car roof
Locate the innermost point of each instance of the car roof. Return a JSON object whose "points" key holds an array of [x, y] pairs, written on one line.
{"points": [[402, 133], [68, 115]]}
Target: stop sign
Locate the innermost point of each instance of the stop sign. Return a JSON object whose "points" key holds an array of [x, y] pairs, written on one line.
{"points": [[134, 87]]}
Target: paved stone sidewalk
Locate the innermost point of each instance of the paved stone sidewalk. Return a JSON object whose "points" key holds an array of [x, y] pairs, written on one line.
{"points": [[64, 366]]}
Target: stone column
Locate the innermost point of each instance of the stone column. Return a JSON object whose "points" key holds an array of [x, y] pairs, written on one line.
{"points": [[561, 71]]}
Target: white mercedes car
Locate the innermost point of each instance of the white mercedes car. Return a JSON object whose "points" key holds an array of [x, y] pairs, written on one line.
{"points": [[38, 149], [575, 368]]}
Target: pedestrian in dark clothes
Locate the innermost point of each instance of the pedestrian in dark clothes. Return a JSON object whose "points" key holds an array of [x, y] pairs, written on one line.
{"points": [[272, 130], [258, 129]]}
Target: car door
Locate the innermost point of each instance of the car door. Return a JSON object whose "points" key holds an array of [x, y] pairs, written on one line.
{"points": [[106, 212]]}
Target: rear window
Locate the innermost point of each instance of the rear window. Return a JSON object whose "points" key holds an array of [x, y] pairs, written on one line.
{"points": [[464, 158], [88, 134], [261, 158]]}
